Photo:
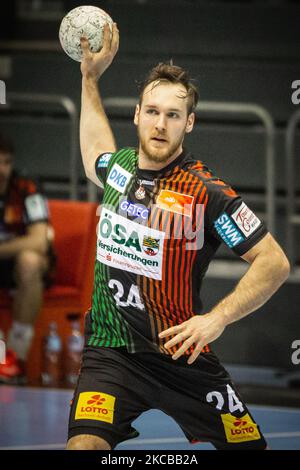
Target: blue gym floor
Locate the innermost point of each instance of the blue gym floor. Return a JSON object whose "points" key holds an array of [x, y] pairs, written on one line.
{"points": [[36, 418]]}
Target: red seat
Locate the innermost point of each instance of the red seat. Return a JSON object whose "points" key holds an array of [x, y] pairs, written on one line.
{"points": [[74, 225]]}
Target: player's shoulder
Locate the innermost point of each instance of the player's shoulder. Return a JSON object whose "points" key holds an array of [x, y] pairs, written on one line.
{"points": [[201, 170], [210, 180], [124, 157]]}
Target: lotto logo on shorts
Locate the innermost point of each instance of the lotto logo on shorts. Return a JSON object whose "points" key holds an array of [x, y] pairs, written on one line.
{"points": [[96, 406], [240, 429]]}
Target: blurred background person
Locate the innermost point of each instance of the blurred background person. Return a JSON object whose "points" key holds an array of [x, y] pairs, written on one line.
{"points": [[26, 259]]}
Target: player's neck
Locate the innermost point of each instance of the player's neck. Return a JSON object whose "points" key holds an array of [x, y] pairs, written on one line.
{"points": [[146, 163]]}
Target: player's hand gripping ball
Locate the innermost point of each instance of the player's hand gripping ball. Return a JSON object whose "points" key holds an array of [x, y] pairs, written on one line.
{"points": [[87, 21]]}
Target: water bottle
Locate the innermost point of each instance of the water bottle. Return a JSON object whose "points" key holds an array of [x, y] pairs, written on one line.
{"points": [[74, 347], [51, 366]]}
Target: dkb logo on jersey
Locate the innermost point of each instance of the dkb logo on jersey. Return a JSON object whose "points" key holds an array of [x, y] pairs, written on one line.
{"points": [[96, 406], [118, 178], [228, 231], [240, 429]]}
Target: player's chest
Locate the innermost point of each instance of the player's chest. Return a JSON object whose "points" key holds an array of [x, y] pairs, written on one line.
{"points": [[142, 212]]}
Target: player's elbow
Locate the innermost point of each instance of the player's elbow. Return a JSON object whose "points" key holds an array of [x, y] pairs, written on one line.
{"points": [[88, 165], [286, 267], [280, 265], [39, 244]]}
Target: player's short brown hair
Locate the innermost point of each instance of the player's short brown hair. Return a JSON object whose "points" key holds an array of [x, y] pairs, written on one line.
{"points": [[164, 72]]}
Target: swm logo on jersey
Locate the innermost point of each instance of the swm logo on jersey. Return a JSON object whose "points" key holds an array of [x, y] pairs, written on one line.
{"points": [[228, 231], [129, 246], [118, 178]]}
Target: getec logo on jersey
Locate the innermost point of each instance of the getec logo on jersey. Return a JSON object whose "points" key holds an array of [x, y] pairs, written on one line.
{"points": [[118, 178], [175, 202], [96, 406], [246, 220], [228, 231], [136, 210], [240, 429], [126, 245]]}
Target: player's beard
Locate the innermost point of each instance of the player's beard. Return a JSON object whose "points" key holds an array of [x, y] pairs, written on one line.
{"points": [[160, 155]]}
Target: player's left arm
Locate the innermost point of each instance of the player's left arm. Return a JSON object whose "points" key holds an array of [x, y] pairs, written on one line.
{"points": [[269, 268], [35, 239]]}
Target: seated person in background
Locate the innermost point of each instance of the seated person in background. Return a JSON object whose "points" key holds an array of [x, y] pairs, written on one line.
{"points": [[25, 259]]}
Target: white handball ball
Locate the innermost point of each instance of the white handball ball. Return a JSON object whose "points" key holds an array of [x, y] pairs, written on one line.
{"points": [[85, 21]]}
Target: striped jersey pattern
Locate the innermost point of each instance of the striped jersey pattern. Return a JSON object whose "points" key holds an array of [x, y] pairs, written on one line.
{"points": [[148, 269]]}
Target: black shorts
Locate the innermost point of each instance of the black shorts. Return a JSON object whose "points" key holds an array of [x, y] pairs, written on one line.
{"points": [[115, 387], [7, 271]]}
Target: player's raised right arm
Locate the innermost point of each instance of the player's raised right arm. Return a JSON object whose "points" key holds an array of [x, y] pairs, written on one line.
{"points": [[96, 136]]}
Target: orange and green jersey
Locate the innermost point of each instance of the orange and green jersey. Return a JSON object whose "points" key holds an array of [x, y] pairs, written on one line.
{"points": [[21, 206], [157, 233]]}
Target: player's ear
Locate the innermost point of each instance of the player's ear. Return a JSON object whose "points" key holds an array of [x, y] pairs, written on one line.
{"points": [[136, 114], [190, 123]]}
